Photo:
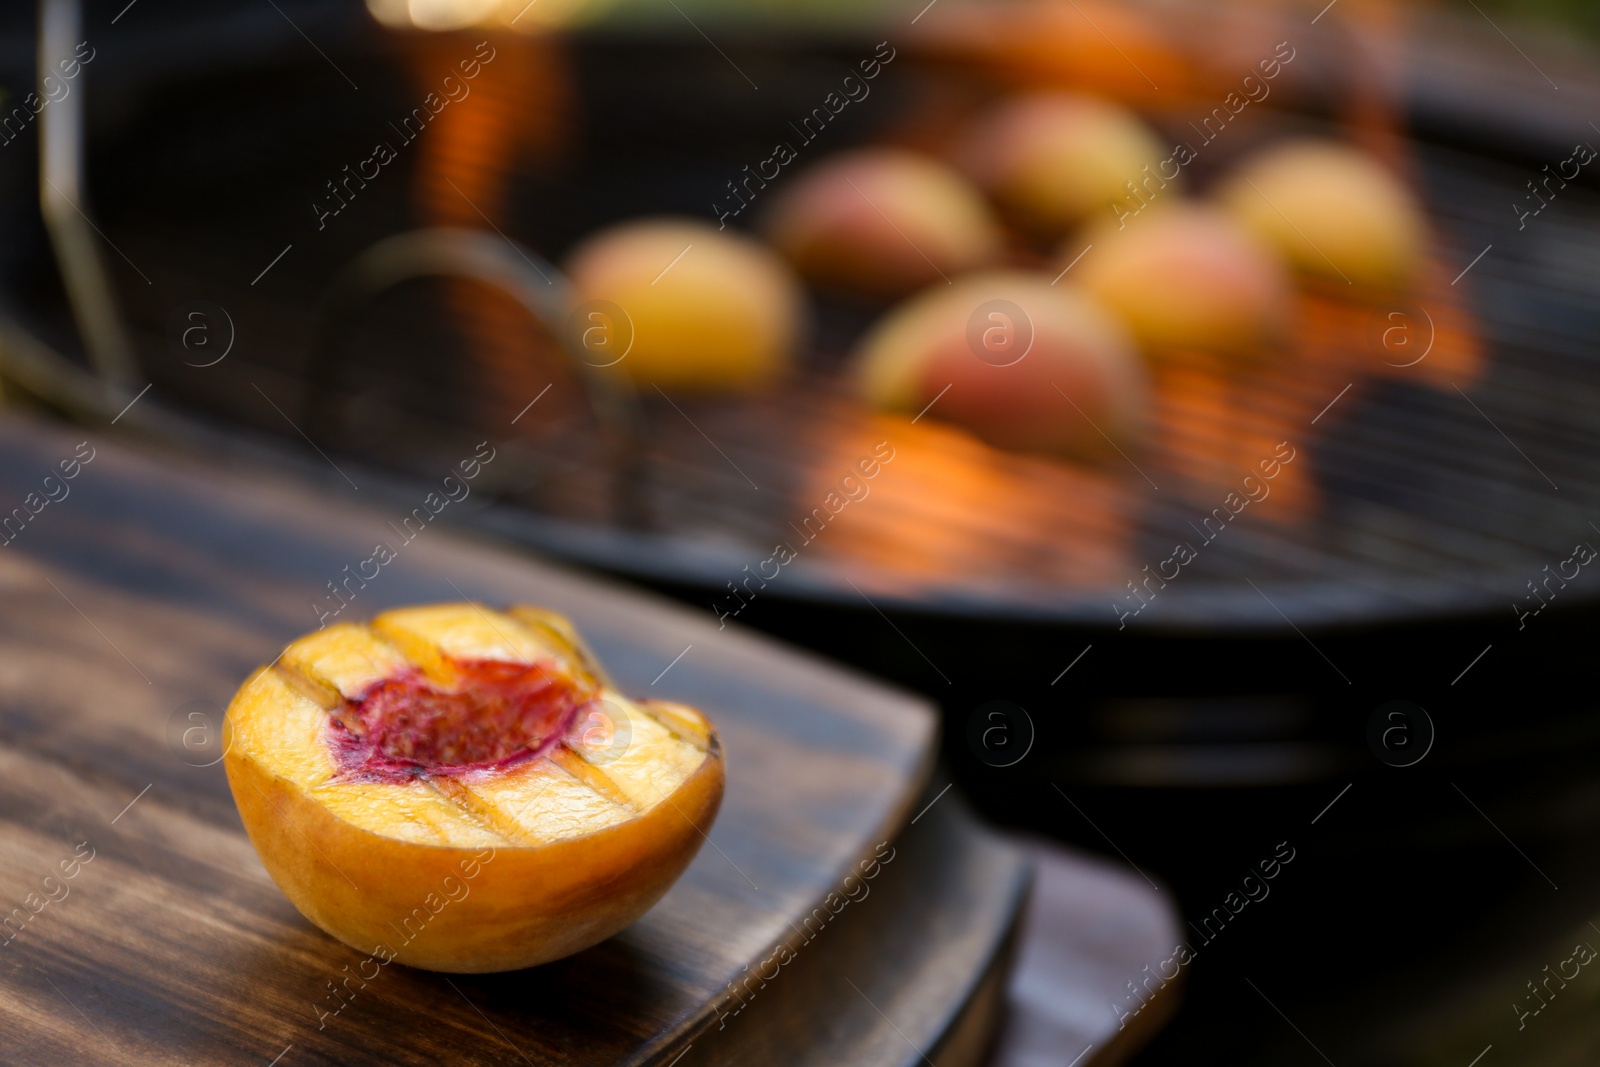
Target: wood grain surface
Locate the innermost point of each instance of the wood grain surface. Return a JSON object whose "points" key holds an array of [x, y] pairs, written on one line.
{"points": [[138, 926], [145, 594]]}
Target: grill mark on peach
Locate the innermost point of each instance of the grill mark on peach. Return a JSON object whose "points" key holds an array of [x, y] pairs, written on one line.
{"points": [[323, 695], [677, 721], [566, 636], [318, 692], [563, 756], [480, 810], [323, 692]]}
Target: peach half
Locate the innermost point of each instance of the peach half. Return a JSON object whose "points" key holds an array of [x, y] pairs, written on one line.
{"points": [[700, 309], [1186, 277], [1052, 160], [1335, 213], [1021, 363], [882, 222], [461, 789]]}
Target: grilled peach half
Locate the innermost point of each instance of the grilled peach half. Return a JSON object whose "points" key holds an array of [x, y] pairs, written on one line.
{"points": [[882, 223], [1335, 213], [1054, 160], [461, 789], [708, 310], [1187, 277], [1009, 355]]}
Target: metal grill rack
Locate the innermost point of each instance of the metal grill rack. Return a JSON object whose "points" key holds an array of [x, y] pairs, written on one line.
{"points": [[1417, 491]]}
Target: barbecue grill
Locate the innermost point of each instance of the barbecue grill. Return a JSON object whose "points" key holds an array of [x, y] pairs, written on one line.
{"points": [[1431, 482]]}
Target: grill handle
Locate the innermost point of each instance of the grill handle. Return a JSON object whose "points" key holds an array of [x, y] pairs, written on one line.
{"points": [[503, 265], [62, 203]]}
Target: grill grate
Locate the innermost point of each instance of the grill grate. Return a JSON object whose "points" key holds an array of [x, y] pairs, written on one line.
{"points": [[1419, 490]]}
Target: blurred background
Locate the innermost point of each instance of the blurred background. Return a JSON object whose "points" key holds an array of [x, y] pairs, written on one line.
{"points": [[928, 338]]}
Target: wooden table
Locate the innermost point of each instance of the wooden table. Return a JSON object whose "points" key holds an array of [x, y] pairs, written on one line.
{"points": [[136, 602]]}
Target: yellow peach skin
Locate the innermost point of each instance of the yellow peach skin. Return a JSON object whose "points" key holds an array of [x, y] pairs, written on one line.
{"points": [[451, 832], [1053, 160], [1183, 276], [1335, 212], [706, 309]]}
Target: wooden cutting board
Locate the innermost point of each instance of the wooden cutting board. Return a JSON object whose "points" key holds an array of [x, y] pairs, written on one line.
{"points": [[138, 600]]}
